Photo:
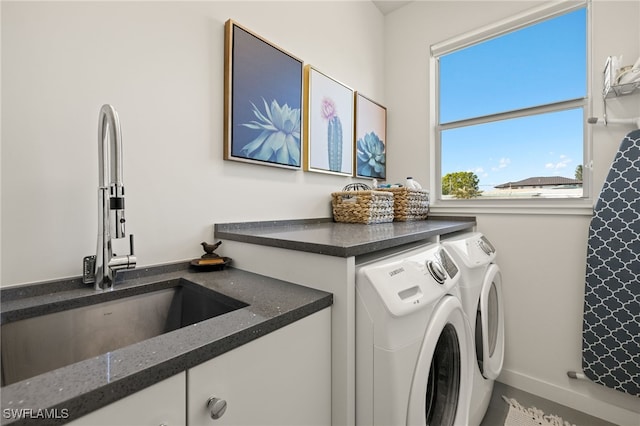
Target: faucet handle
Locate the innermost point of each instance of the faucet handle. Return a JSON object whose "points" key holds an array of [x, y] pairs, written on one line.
{"points": [[131, 252], [124, 262]]}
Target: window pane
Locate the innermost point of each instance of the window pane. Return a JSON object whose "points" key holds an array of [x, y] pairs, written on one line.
{"points": [[543, 147], [536, 65]]}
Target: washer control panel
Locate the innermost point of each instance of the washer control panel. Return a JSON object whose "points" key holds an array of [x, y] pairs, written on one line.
{"points": [[472, 249], [411, 281]]}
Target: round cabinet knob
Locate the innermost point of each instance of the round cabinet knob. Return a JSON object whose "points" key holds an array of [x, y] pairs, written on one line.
{"points": [[217, 407]]}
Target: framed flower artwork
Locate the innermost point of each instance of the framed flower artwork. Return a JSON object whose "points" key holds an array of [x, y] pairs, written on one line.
{"points": [[371, 139], [263, 101], [328, 136]]}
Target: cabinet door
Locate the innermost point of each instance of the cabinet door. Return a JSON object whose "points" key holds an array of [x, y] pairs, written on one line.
{"points": [[283, 378], [161, 404]]}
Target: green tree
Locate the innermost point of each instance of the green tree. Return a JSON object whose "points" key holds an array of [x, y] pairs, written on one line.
{"points": [[579, 172], [461, 185]]}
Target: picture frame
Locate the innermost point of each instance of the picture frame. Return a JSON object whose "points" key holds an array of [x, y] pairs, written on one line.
{"points": [[263, 95], [329, 129], [370, 139]]}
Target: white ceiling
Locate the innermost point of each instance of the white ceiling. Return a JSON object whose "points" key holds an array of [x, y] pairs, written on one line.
{"points": [[389, 6]]}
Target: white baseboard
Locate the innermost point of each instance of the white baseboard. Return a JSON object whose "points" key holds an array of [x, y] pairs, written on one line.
{"points": [[585, 396]]}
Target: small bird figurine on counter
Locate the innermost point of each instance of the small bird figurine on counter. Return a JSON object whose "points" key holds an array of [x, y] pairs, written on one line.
{"points": [[210, 261], [209, 249]]}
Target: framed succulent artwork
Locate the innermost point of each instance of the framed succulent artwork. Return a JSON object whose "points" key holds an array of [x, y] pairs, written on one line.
{"points": [[263, 101], [371, 139], [328, 135]]}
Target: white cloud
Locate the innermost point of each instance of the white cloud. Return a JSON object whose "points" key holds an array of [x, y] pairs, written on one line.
{"points": [[504, 162], [564, 162], [556, 166], [479, 171]]}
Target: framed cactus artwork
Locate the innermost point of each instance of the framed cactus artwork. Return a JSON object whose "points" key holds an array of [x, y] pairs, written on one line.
{"points": [[371, 138], [328, 133], [263, 97]]}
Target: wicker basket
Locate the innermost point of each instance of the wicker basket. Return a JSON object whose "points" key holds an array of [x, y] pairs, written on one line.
{"points": [[409, 204], [362, 206]]}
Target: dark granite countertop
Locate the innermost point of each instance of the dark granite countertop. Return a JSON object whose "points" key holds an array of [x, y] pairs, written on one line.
{"points": [[323, 236], [85, 386]]}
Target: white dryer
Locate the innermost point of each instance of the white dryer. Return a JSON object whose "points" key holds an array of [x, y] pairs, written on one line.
{"points": [[481, 293], [414, 359]]}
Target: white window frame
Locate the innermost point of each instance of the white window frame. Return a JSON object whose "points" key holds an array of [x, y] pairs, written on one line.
{"points": [[582, 205]]}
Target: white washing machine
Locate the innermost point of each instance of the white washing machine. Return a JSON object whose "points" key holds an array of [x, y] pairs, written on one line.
{"points": [[414, 359], [481, 291]]}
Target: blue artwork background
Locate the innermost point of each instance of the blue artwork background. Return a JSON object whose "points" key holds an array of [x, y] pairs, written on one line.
{"points": [[260, 73]]}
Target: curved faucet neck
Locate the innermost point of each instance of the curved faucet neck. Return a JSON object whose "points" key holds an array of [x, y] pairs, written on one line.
{"points": [[109, 155], [111, 219]]}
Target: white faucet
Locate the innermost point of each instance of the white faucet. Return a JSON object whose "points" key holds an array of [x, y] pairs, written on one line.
{"points": [[100, 269]]}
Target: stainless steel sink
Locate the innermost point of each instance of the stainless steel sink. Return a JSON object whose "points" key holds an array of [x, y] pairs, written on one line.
{"points": [[44, 343]]}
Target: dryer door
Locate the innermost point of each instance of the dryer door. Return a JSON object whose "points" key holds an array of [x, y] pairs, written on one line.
{"points": [[490, 348], [441, 386]]}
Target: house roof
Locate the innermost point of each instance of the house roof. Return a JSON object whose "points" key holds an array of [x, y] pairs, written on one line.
{"points": [[542, 181]]}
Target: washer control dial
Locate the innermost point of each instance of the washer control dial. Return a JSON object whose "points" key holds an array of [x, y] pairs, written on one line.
{"points": [[486, 246], [437, 272]]}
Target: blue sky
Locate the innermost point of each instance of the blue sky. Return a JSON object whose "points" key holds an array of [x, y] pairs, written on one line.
{"points": [[539, 64]]}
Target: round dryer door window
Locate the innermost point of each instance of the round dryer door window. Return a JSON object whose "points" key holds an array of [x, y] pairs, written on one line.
{"points": [[440, 392], [443, 386], [490, 325]]}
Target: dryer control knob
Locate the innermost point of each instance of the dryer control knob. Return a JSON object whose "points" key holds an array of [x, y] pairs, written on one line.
{"points": [[436, 271], [485, 247]]}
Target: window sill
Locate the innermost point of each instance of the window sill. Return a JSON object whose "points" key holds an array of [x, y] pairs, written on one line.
{"points": [[575, 207]]}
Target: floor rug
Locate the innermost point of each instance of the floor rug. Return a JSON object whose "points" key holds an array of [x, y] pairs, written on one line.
{"points": [[521, 416]]}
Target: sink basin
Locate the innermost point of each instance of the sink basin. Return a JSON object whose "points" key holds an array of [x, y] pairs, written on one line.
{"points": [[44, 343]]}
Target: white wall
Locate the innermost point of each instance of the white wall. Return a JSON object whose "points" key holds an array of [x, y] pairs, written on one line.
{"points": [[161, 65], [542, 257]]}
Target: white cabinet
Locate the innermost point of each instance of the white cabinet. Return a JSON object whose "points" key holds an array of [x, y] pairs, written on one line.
{"points": [[163, 403], [282, 378], [332, 274]]}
